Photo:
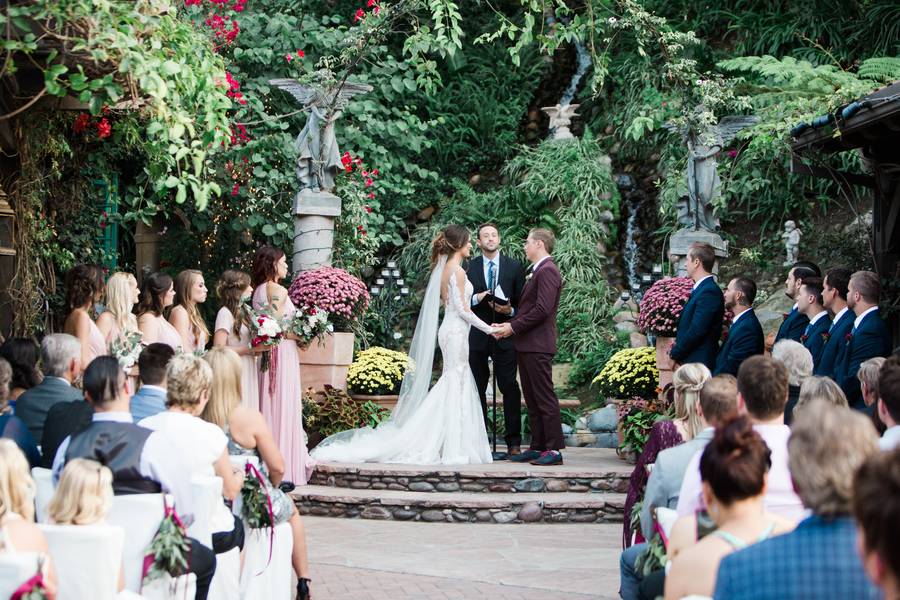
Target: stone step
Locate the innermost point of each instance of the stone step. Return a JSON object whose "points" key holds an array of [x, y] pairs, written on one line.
{"points": [[459, 507]]}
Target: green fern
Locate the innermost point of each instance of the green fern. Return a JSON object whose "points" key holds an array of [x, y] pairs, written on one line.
{"points": [[885, 69]]}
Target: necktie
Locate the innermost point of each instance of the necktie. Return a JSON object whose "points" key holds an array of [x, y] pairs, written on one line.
{"points": [[490, 275]]}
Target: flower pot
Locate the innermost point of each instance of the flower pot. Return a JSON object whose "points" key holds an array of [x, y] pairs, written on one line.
{"points": [[663, 362], [388, 401], [327, 363]]}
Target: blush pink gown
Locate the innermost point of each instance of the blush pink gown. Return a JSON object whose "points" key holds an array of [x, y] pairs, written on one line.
{"points": [[96, 342]]}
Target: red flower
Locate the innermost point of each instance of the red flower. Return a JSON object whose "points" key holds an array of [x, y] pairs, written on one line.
{"points": [[360, 14], [803, 338], [826, 336], [365, 173], [376, 10], [848, 337], [784, 316], [82, 122], [312, 310], [371, 3], [369, 182], [374, 171], [357, 160], [301, 53], [288, 57], [371, 195], [368, 209], [235, 189], [359, 227], [104, 129]]}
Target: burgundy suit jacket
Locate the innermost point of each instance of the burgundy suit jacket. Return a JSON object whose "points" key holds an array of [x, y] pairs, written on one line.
{"points": [[535, 323]]}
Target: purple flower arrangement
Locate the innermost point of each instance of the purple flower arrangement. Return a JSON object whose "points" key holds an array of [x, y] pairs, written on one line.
{"points": [[662, 304], [337, 292]]}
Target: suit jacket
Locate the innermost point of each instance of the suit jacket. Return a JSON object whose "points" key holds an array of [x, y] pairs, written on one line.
{"points": [[664, 483], [146, 402], [512, 280], [34, 404], [869, 340], [792, 327], [816, 560], [813, 337], [700, 326], [535, 324], [833, 352], [745, 338], [63, 420]]}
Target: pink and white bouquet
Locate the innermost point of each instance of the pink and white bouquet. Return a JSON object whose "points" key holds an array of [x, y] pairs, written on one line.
{"points": [[662, 304], [335, 291], [309, 323], [265, 330]]}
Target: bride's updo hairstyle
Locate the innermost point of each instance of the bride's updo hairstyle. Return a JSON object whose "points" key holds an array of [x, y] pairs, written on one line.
{"points": [[448, 241]]}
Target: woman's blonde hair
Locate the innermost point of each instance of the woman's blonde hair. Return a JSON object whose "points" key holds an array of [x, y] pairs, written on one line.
{"points": [[225, 393], [84, 494], [183, 284], [688, 381], [819, 388], [17, 488], [118, 300], [187, 377]]}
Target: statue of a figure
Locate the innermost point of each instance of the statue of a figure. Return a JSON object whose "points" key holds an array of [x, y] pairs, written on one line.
{"points": [[560, 119], [318, 156], [791, 237]]}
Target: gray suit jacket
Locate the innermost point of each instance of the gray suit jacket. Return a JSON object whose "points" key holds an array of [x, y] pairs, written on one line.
{"points": [[34, 404], [665, 478]]}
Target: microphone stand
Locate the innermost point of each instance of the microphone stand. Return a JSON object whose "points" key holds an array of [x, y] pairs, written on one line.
{"points": [[495, 455]]}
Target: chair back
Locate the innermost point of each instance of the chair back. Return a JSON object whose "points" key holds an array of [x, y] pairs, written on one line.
{"points": [[140, 515], [43, 481], [87, 559], [15, 569], [206, 493]]}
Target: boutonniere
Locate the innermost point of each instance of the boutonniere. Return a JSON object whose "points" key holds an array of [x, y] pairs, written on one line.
{"points": [[528, 277], [784, 316], [803, 338], [848, 337], [826, 336]]}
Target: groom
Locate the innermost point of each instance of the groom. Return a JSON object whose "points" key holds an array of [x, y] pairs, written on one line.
{"points": [[535, 329]]}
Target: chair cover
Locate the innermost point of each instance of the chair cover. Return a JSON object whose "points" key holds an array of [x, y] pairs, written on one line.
{"points": [[15, 569], [207, 493], [87, 559], [43, 480]]}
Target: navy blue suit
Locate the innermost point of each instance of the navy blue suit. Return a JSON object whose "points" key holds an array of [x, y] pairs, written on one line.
{"points": [[745, 338], [814, 335], [792, 327], [700, 326], [833, 353], [869, 340]]}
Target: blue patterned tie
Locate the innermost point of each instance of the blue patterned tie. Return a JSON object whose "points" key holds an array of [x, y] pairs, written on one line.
{"points": [[490, 275]]}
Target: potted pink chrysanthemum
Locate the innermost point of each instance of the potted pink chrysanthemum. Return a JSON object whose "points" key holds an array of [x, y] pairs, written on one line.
{"points": [[660, 310]]}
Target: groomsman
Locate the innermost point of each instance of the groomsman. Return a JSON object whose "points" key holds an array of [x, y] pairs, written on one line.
{"points": [[745, 336], [834, 295], [795, 322], [810, 304], [869, 336], [700, 325], [492, 272]]}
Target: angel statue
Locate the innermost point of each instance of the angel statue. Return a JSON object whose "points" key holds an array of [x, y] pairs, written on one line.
{"points": [[560, 119], [318, 157]]}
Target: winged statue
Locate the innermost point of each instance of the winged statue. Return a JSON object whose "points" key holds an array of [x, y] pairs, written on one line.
{"points": [[560, 119]]}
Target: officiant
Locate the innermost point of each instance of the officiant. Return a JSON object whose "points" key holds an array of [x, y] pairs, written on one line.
{"points": [[497, 282]]}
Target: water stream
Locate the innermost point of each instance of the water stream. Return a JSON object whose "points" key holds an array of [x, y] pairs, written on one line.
{"points": [[630, 254], [583, 64]]}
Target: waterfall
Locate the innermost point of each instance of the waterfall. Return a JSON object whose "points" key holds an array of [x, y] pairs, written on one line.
{"points": [[630, 254], [584, 63]]}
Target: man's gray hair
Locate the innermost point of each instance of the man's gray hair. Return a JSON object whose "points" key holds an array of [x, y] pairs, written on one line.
{"points": [[795, 358], [58, 350]]}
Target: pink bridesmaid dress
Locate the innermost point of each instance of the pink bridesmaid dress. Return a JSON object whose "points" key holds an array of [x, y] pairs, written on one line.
{"points": [[169, 335], [249, 370], [280, 400], [96, 342]]}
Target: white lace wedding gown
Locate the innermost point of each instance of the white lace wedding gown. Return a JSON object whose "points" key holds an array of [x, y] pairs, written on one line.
{"points": [[447, 428]]}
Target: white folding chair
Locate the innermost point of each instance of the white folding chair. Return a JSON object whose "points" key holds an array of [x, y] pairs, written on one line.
{"points": [[15, 569], [43, 481], [87, 559], [207, 495]]}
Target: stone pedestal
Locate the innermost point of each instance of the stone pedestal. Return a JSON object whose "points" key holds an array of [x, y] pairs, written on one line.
{"points": [[681, 241], [314, 214], [328, 362]]}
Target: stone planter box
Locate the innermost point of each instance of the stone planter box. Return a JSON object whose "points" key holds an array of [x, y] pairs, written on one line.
{"points": [[327, 363], [663, 361], [388, 401]]}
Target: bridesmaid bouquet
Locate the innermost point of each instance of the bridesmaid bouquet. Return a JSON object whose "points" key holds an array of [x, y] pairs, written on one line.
{"points": [[265, 331], [126, 349], [309, 323]]}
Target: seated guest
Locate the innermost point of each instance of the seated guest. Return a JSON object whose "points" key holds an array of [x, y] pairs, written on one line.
{"points": [[12, 427], [795, 322], [834, 296], [22, 355], [17, 491], [810, 304], [762, 394], [869, 336], [150, 398], [64, 419], [142, 461], [876, 507], [799, 364], [202, 446], [818, 559], [700, 325], [889, 403], [61, 361], [249, 435], [745, 336], [733, 469], [868, 374], [819, 389]]}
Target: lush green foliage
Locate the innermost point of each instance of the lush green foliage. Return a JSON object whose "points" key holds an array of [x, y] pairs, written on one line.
{"points": [[331, 410]]}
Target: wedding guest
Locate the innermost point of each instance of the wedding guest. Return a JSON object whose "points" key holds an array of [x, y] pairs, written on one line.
{"points": [[279, 386], [818, 559], [12, 427], [834, 295], [202, 446], [819, 389], [232, 330], [733, 468], [249, 435], [185, 317], [888, 405], [795, 322], [810, 304], [876, 508], [22, 355], [762, 384], [700, 325], [150, 398], [745, 335], [687, 382], [869, 336], [868, 374], [82, 293], [122, 294], [798, 362], [157, 294], [17, 492], [61, 360]]}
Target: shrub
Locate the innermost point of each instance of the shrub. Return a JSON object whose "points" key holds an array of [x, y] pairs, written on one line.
{"points": [[629, 373], [377, 371], [331, 411], [637, 417], [343, 296], [662, 304]]}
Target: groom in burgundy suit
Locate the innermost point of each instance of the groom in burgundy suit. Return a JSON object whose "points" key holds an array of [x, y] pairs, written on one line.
{"points": [[534, 328]]}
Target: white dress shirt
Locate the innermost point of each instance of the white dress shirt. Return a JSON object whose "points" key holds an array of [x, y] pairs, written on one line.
{"points": [[697, 284], [485, 261], [838, 316], [736, 317], [816, 318], [890, 439]]}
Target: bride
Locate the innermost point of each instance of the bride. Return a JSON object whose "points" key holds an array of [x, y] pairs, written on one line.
{"points": [[443, 425]]}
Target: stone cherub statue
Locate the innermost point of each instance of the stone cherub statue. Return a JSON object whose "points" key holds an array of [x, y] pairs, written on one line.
{"points": [[318, 156], [791, 237], [560, 119]]}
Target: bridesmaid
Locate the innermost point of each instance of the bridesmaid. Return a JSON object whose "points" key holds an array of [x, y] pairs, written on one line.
{"points": [[279, 387], [122, 294], [82, 292], [232, 331], [185, 317], [157, 293]]}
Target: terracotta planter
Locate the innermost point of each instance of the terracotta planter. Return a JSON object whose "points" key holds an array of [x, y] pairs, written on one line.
{"points": [[388, 401], [663, 361], [327, 363]]}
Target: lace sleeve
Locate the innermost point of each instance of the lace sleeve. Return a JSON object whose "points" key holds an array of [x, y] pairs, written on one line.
{"points": [[459, 305]]}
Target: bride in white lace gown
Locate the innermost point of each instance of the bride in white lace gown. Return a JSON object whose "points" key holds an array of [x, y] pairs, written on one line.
{"points": [[443, 425]]}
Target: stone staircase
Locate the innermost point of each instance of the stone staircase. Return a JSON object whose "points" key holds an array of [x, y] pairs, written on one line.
{"points": [[588, 488]]}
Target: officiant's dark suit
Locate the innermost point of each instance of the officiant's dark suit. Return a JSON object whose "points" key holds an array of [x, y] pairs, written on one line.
{"points": [[510, 277]]}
